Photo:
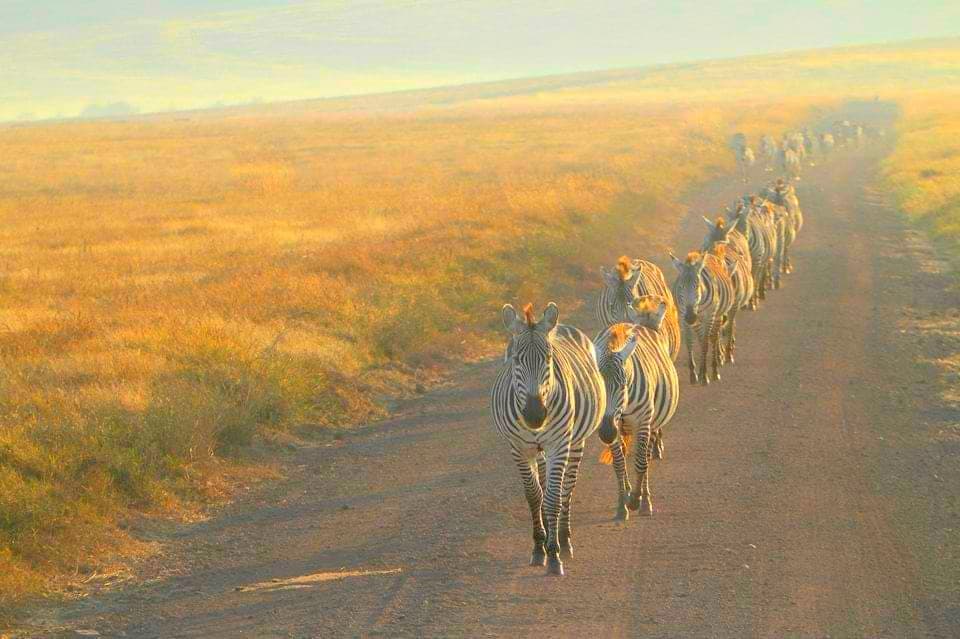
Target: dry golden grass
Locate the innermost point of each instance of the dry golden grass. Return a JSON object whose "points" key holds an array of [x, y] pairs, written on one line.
{"points": [[924, 169], [172, 287]]}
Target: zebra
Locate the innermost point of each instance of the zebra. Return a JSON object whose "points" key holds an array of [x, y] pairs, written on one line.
{"points": [[547, 399], [629, 280], [827, 142], [810, 144], [768, 149], [758, 228], [739, 268], [720, 231], [785, 233], [642, 395], [745, 160], [704, 292], [790, 162], [796, 143], [785, 195]]}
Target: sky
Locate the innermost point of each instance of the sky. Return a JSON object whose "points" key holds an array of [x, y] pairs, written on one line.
{"points": [[63, 58]]}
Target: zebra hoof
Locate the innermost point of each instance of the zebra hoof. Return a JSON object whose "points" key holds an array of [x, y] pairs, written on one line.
{"points": [[646, 507], [622, 513], [555, 566], [539, 558], [706, 380]]}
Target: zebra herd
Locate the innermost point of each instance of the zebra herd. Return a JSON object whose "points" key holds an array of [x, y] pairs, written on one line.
{"points": [[556, 386], [796, 147]]}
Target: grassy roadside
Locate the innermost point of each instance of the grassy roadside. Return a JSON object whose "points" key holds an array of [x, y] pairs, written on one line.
{"points": [[172, 290], [923, 172]]}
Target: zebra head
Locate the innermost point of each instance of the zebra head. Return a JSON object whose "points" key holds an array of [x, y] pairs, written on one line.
{"points": [[530, 356], [613, 359], [719, 231], [621, 286], [648, 311], [688, 288]]}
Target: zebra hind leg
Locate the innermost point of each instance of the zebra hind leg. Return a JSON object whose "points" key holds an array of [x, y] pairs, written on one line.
{"points": [[534, 494], [658, 445], [564, 535]]}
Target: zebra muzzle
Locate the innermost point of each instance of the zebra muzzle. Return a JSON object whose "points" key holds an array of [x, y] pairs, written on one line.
{"points": [[690, 316], [534, 412]]}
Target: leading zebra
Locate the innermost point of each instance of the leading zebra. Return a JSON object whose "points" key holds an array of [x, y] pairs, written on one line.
{"points": [[547, 399], [642, 395], [630, 280]]}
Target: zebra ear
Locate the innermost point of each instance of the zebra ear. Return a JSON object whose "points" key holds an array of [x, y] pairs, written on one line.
{"points": [[509, 316], [551, 315], [676, 261], [610, 277]]}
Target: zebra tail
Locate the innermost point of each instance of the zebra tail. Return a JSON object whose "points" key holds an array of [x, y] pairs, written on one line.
{"points": [[606, 456]]}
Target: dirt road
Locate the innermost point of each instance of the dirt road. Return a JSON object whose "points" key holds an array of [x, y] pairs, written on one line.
{"points": [[810, 494]]}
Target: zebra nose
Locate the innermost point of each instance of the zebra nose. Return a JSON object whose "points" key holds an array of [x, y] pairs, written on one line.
{"points": [[608, 429], [534, 412], [690, 316]]}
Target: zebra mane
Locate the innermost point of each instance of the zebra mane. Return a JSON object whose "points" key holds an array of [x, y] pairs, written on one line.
{"points": [[648, 303], [617, 337], [693, 257], [528, 314], [623, 267], [719, 249]]}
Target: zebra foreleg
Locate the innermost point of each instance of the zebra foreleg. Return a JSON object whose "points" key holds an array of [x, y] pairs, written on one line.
{"points": [[658, 445], [640, 497], [716, 350], [705, 346], [731, 335], [556, 464], [690, 339], [569, 483], [613, 439], [534, 495]]}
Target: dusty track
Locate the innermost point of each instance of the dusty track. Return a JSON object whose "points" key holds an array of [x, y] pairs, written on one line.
{"points": [[797, 497]]}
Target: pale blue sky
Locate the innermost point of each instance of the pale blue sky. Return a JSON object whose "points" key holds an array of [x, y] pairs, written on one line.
{"points": [[61, 56]]}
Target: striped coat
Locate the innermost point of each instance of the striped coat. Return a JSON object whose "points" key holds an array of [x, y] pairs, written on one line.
{"points": [[547, 399], [739, 268], [630, 280], [642, 395], [704, 294], [758, 227]]}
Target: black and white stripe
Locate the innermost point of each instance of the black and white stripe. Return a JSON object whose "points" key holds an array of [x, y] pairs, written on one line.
{"points": [[642, 395], [630, 280], [547, 399], [704, 294]]}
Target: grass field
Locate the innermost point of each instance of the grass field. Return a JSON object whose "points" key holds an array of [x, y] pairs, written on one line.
{"points": [[173, 288], [924, 170]]}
